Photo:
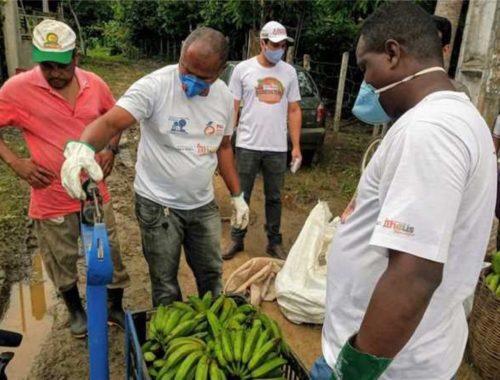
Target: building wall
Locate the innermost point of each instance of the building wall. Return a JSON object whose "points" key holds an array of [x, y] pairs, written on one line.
{"points": [[479, 62]]}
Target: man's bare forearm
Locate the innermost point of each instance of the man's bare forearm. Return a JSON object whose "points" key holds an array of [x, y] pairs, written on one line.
{"points": [[295, 125], [7, 155], [227, 167], [398, 304], [109, 126]]}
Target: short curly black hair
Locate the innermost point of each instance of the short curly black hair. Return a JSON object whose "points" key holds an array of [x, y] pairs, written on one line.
{"points": [[443, 26], [409, 25]]}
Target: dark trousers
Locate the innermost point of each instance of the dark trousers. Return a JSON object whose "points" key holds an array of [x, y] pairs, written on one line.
{"points": [[165, 232], [273, 167]]}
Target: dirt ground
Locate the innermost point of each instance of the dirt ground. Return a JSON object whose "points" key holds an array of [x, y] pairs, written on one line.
{"points": [[62, 357]]}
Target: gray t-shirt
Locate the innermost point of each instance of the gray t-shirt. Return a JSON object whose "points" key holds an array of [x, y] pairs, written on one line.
{"points": [[180, 136]]}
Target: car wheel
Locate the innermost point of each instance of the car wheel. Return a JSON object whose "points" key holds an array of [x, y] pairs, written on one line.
{"points": [[310, 157]]}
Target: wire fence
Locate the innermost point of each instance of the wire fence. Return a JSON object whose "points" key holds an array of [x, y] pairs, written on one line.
{"points": [[326, 76]]}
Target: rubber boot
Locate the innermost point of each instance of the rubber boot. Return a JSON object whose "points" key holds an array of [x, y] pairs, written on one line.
{"points": [[77, 316], [116, 315]]}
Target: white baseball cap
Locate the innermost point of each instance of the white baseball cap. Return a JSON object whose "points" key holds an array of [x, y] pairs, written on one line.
{"points": [[274, 32], [53, 41]]}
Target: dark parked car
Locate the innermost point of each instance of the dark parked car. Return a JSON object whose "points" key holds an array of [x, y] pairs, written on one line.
{"points": [[313, 113]]}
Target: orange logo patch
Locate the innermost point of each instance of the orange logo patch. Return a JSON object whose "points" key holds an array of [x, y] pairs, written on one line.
{"points": [[269, 90]]}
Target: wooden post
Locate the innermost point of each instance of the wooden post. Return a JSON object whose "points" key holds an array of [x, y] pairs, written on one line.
{"points": [[340, 94], [290, 54], [253, 43], [307, 62], [45, 6], [12, 37]]}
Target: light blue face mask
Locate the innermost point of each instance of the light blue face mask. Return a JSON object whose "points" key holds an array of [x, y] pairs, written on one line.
{"points": [[274, 56], [193, 85], [367, 107]]}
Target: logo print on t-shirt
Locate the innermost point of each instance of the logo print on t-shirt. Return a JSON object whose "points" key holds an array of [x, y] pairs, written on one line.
{"points": [[178, 125], [213, 129], [397, 227], [269, 90]]}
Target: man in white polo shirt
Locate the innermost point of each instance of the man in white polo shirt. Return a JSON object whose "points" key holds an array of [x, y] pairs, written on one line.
{"points": [[186, 120], [411, 247]]}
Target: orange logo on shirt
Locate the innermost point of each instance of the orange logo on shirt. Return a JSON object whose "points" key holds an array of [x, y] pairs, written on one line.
{"points": [[397, 227], [269, 90], [213, 129]]}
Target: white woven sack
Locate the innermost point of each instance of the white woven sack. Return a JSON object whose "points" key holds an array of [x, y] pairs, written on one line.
{"points": [[301, 284]]}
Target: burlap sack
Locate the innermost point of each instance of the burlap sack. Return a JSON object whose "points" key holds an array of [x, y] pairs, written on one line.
{"points": [[255, 279]]}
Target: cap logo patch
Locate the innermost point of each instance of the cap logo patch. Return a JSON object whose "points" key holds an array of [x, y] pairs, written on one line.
{"points": [[51, 41]]}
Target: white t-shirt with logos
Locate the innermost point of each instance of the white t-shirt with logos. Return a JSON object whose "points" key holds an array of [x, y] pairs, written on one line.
{"points": [[265, 93], [429, 191], [180, 136]]}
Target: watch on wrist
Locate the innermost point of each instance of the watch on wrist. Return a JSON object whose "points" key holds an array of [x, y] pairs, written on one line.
{"points": [[114, 148]]}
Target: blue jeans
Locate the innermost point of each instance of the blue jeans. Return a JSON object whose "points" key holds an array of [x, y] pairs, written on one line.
{"points": [[322, 371], [164, 231], [273, 167]]}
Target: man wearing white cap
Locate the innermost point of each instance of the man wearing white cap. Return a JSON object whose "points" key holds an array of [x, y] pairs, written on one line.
{"points": [[51, 104], [268, 89]]}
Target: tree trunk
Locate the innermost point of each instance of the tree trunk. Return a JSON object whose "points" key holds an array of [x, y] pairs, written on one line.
{"points": [[451, 10], [79, 28]]}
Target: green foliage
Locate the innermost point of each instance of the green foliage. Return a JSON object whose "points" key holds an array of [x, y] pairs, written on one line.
{"points": [[115, 37], [156, 27], [92, 16]]}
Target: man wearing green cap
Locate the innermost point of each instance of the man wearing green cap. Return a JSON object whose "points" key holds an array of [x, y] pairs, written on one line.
{"points": [[52, 103]]}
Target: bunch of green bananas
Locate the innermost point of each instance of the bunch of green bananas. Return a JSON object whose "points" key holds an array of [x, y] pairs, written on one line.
{"points": [[250, 353], [493, 279], [211, 338]]}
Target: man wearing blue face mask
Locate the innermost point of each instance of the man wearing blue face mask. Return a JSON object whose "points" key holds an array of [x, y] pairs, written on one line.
{"points": [[186, 119], [268, 89], [411, 246]]}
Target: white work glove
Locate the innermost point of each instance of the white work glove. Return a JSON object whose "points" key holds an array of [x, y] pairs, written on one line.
{"points": [[241, 213], [78, 156]]}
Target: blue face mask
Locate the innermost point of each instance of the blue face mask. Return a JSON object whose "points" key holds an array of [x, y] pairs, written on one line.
{"points": [[367, 107], [193, 85], [274, 56]]}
